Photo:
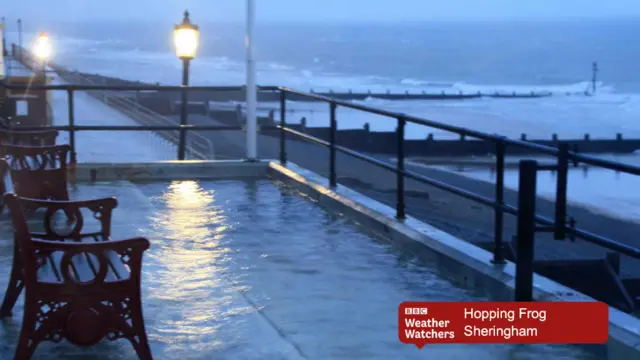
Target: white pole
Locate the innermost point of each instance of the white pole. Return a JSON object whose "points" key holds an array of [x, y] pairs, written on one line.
{"points": [[252, 136]]}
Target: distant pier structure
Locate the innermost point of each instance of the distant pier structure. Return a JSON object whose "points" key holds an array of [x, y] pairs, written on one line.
{"points": [[345, 95]]}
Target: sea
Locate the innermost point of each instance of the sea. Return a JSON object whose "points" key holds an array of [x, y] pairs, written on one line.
{"points": [[452, 57]]}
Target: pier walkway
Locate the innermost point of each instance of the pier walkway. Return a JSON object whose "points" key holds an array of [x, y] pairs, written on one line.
{"points": [[107, 146]]}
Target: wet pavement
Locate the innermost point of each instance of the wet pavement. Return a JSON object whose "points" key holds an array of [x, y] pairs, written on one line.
{"points": [[249, 270]]}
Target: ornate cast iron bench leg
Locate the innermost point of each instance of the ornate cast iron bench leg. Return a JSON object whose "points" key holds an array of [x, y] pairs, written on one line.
{"points": [[4, 170], [134, 332], [14, 287], [26, 347]]}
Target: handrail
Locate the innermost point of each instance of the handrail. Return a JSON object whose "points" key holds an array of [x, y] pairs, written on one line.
{"points": [[159, 88]]}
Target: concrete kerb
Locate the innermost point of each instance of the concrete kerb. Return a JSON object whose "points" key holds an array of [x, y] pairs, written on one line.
{"points": [[460, 261], [168, 170]]}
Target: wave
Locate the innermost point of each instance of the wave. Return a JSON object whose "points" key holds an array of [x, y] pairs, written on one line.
{"points": [[466, 88], [429, 84], [133, 63], [556, 89]]}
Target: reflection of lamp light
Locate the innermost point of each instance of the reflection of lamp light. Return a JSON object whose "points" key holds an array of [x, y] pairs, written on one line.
{"points": [[43, 49], [188, 191], [185, 38], [191, 214], [185, 194], [195, 228]]}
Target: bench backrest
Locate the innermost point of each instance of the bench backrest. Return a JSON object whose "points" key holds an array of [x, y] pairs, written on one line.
{"points": [[37, 170], [28, 138]]}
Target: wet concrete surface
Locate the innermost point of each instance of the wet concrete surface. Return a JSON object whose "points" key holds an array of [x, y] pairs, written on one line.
{"points": [[248, 270], [462, 218]]}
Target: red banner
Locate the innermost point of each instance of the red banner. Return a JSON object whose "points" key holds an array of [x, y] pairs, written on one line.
{"points": [[422, 323]]}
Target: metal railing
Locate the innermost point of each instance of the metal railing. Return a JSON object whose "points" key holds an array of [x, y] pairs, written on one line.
{"points": [[528, 222], [197, 146]]}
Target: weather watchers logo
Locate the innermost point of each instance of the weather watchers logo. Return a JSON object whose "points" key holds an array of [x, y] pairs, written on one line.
{"points": [[503, 323]]}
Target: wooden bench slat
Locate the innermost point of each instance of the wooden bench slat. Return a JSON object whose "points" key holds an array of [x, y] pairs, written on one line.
{"points": [[84, 267], [117, 269], [49, 271], [82, 270]]}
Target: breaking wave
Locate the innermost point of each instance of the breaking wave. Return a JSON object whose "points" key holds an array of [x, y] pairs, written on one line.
{"points": [[466, 88]]}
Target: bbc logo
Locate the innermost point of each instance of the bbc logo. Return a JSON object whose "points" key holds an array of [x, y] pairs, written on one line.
{"points": [[416, 311]]}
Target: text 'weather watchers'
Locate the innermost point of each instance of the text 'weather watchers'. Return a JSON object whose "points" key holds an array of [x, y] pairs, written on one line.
{"points": [[423, 323]]}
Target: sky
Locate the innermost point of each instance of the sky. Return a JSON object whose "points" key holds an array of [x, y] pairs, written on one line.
{"points": [[315, 10]]}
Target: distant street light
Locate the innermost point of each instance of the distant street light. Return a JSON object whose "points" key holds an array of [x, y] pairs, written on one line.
{"points": [[185, 38], [3, 29], [43, 50], [19, 39]]}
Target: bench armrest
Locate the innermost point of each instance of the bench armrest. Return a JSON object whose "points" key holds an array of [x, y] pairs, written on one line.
{"points": [[102, 210]]}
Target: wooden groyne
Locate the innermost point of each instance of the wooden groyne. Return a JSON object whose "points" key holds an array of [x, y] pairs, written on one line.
{"points": [[383, 142], [269, 96]]}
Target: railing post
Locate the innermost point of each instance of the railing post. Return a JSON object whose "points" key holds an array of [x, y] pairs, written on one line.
{"points": [[283, 124], [183, 111], [526, 230], [561, 192], [498, 251], [72, 126], [332, 146], [400, 169]]}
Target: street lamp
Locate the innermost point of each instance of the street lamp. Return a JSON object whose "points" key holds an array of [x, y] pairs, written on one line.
{"points": [[4, 38], [43, 49], [185, 38], [20, 37]]}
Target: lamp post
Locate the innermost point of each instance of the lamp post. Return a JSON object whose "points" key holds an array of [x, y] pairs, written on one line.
{"points": [[19, 39], [252, 122], [4, 38], [43, 50], [185, 37]]}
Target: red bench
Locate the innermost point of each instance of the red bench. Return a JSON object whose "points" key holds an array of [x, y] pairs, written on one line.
{"points": [[79, 284], [22, 138], [38, 172]]}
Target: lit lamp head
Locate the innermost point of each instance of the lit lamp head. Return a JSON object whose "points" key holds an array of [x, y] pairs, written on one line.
{"points": [[43, 49], [185, 38]]}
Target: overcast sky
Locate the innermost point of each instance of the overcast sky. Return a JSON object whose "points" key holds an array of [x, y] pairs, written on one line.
{"points": [[315, 10]]}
